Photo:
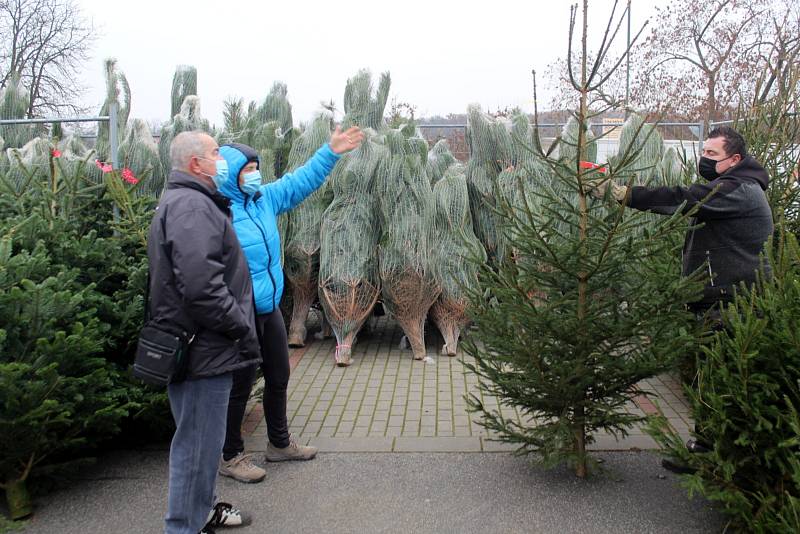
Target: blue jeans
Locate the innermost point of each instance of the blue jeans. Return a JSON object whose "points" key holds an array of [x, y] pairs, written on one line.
{"points": [[199, 408]]}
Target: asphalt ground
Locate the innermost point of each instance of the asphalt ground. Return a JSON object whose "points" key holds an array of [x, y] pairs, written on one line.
{"points": [[394, 492]]}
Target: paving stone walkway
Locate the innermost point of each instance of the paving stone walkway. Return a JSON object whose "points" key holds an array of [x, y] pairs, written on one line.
{"points": [[388, 402]]}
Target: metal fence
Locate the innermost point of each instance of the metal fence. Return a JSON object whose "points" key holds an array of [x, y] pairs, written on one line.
{"points": [[111, 119], [685, 135]]}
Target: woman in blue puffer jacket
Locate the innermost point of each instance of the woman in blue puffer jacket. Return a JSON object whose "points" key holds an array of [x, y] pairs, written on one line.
{"points": [[255, 208]]}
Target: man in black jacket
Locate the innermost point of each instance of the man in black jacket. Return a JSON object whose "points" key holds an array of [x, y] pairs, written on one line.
{"points": [[732, 223], [200, 284], [733, 218]]}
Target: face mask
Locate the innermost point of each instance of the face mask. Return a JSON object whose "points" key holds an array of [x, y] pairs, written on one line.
{"points": [[252, 181], [222, 172], [707, 167]]}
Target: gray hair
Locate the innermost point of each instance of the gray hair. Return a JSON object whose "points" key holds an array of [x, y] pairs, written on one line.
{"points": [[184, 146]]}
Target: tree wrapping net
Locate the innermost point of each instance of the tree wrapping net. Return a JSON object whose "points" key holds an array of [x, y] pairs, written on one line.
{"points": [[302, 249], [520, 183], [28, 164], [439, 159], [117, 92], [273, 128], [641, 149], [14, 99], [139, 153], [364, 107], [63, 176], [184, 83], [671, 168], [349, 279], [408, 283], [456, 253], [489, 143], [188, 119]]}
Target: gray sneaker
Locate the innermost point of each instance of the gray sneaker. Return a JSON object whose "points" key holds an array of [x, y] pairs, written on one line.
{"points": [[242, 468], [294, 451]]}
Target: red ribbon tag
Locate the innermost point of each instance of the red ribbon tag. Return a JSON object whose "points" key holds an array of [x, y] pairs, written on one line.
{"points": [[590, 165]]}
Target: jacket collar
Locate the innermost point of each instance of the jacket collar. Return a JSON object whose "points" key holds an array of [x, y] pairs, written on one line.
{"points": [[180, 179]]}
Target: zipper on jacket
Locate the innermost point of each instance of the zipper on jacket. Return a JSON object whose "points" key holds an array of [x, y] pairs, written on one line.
{"points": [[708, 260], [269, 256]]}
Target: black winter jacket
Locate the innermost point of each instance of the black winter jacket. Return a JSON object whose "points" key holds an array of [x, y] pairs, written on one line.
{"points": [[729, 229], [199, 279]]}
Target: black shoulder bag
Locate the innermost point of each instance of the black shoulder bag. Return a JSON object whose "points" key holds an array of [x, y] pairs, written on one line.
{"points": [[162, 354]]}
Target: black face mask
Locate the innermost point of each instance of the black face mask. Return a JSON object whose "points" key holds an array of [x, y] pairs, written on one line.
{"points": [[707, 167]]}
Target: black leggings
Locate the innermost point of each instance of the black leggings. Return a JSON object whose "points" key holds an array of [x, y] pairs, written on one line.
{"points": [[275, 367]]}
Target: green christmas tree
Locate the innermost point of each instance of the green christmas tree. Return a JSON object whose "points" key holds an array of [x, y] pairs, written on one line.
{"points": [[597, 306]]}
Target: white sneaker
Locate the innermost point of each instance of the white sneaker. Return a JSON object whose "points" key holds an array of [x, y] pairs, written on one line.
{"points": [[225, 515]]}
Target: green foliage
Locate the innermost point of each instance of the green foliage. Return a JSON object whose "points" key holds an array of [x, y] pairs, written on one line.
{"points": [[745, 401], [59, 397], [71, 284], [593, 305]]}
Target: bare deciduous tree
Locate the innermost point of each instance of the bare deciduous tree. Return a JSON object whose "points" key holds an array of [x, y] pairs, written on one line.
{"points": [[701, 60], [44, 42]]}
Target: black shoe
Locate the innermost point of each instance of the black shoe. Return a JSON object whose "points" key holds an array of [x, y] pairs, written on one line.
{"points": [[675, 467]]}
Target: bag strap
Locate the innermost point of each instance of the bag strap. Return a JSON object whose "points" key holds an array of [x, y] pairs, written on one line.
{"points": [[147, 298]]}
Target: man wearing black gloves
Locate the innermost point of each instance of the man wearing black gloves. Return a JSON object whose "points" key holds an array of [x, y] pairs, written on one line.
{"points": [[731, 224]]}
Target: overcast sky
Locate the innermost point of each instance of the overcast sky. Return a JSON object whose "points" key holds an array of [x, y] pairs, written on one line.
{"points": [[442, 55]]}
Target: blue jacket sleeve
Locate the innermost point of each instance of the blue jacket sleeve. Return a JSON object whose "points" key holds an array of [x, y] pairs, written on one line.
{"points": [[294, 187]]}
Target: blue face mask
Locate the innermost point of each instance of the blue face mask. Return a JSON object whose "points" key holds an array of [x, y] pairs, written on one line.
{"points": [[252, 181], [222, 173]]}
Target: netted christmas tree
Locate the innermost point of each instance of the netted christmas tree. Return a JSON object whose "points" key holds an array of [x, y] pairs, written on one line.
{"points": [[456, 253], [671, 169], [517, 183], [642, 142], [14, 100], [303, 233], [349, 278], [184, 83], [188, 119], [489, 144], [28, 164], [566, 339], [117, 92], [272, 129], [439, 159], [138, 153], [364, 106], [408, 282]]}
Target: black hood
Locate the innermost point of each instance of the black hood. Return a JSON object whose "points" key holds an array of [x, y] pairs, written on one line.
{"points": [[747, 169]]}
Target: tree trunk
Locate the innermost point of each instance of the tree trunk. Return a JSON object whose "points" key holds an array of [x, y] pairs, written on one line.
{"points": [[580, 445], [18, 499], [303, 297]]}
